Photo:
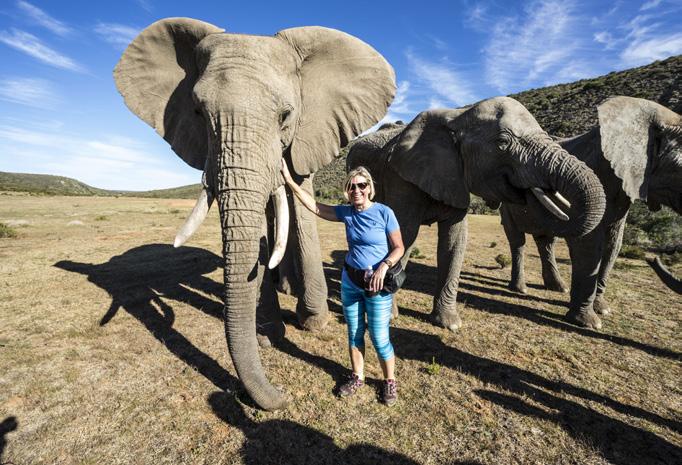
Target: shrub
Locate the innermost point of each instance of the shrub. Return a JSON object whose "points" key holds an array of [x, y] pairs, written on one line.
{"points": [[632, 251], [477, 206], [493, 244], [7, 231], [433, 368], [672, 259], [416, 253], [503, 260], [101, 218]]}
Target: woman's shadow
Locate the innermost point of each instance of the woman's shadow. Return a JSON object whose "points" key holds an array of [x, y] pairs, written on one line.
{"points": [[142, 281], [284, 441]]}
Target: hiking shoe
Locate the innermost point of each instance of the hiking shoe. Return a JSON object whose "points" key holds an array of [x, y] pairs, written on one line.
{"points": [[389, 392], [349, 388]]}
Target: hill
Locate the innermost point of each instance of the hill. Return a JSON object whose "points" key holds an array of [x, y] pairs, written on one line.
{"points": [[45, 184]]}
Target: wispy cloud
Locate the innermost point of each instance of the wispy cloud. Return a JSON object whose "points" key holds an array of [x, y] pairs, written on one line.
{"points": [[110, 161], [442, 79], [146, 5], [534, 47], [28, 91], [643, 51], [42, 18], [117, 34], [650, 4], [31, 45]]}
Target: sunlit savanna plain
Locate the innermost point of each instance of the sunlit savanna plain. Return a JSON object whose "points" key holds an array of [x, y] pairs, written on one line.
{"points": [[112, 350]]}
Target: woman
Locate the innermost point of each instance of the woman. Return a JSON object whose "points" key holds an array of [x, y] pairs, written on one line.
{"points": [[374, 245]]}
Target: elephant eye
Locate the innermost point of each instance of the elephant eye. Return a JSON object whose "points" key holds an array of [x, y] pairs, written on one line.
{"points": [[503, 143], [284, 117]]}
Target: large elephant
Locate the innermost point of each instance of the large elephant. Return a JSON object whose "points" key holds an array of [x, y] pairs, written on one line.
{"points": [[234, 105], [636, 151], [495, 149]]}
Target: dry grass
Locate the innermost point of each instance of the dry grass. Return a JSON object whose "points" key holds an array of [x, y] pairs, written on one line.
{"points": [[112, 351]]}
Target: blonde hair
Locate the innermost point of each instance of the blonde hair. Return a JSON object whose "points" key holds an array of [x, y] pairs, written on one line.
{"points": [[358, 171]]}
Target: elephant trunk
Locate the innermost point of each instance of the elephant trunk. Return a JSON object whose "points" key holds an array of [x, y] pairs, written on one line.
{"points": [[575, 190], [245, 177], [666, 276]]}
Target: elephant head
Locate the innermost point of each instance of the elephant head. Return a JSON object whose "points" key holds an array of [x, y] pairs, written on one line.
{"points": [[234, 105], [642, 141], [497, 150]]}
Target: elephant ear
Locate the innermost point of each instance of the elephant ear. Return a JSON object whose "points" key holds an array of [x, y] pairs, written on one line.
{"points": [[628, 127], [156, 75], [346, 87], [427, 155]]}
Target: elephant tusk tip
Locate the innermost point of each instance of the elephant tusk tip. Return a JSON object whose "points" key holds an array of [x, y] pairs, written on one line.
{"points": [[275, 259], [178, 241]]}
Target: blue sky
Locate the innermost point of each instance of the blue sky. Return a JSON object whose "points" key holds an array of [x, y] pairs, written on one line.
{"points": [[60, 112]]}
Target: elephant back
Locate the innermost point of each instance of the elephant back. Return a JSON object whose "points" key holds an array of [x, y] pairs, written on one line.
{"points": [[371, 150]]}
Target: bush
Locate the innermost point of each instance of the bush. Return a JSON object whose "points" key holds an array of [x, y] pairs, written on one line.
{"points": [[416, 253], [477, 206], [101, 218], [493, 244], [503, 260], [7, 231], [632, 251], [672, 259], [433, 368]]}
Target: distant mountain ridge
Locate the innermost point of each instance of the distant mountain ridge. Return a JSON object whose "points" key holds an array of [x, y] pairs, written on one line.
{"points": [[45, 184], [562, 110]]}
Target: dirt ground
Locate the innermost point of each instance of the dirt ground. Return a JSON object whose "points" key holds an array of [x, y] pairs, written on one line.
{"points": [[112, 350]]}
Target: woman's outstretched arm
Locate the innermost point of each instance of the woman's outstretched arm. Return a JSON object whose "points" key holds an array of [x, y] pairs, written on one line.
{"points": [[320, 209]]}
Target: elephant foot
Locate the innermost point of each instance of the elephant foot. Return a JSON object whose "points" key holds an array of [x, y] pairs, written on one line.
{"points": [[313, 322], [601, 306], [270, 333], [450, 321], [584, 318], [555, 284], [518, 287]]}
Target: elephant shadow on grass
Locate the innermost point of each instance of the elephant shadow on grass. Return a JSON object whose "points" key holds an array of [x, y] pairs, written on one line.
{"points": [[284, 441], [619, 442], [8, 425], [142, 280], [421, 278]]}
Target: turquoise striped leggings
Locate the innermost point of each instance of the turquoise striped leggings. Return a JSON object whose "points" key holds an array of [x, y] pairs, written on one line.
{"points": [[378, 309]]}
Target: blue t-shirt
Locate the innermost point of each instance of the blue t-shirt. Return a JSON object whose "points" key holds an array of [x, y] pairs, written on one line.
{"points": [[366, 233]]}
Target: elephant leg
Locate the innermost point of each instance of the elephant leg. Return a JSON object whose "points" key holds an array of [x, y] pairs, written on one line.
{"points": [[586, 253], [311, 310], [614, 240], [452, 239], [517, 245], [409, 228], [269, 325], [550, 272]]}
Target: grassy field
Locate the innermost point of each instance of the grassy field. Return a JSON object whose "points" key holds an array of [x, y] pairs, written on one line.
{"points": [[112, 351]]}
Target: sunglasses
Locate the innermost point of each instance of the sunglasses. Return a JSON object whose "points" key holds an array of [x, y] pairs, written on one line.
{"points": [[361, 185]]}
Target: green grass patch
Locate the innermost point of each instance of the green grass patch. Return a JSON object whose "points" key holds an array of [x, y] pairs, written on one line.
{"points": [[7, 231]]}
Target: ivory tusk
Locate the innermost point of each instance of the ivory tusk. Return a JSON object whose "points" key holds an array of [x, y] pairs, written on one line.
{"points": [[562, 199], [195, 218], [548, 204], [281, 226]]}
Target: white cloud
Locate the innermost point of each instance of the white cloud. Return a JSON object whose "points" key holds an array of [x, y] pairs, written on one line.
{"points": [[643, 51], [527, 50], [117, 34], [606, 38], [650, 4], [28, 91], [146, 5], [31, 45], [45, 20], [110, 161], [442, 80]]}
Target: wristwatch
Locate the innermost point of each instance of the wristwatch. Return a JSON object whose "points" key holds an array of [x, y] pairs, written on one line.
{"points": [[388, 262]]}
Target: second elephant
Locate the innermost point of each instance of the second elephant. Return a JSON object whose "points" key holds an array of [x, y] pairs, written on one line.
{"points": [[494, 149], [636, 151]]}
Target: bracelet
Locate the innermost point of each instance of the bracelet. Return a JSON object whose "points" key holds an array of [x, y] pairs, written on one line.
{"points": [[388, 262]]}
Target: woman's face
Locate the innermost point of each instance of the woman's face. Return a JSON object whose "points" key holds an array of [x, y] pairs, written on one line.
{"points": [[358, 191]]}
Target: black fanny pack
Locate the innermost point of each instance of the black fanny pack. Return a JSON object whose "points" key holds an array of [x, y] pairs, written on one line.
{"points": [[394, 279]]}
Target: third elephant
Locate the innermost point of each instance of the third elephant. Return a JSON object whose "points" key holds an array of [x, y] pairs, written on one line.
{"points": [[636, 151], [494, 149]]}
